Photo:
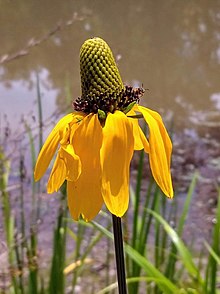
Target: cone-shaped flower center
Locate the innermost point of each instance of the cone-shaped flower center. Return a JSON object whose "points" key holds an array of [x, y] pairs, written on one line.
{"points": [[102, 86], [99, 73]]}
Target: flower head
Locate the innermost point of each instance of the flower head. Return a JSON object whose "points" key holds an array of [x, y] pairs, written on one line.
{"points": [[96, 141]]}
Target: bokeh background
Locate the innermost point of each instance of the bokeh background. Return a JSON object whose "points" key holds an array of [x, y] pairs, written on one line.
{"points": [[170, 47]]}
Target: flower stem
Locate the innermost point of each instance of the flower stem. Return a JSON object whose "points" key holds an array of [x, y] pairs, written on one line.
{"points": [[119, 254]]}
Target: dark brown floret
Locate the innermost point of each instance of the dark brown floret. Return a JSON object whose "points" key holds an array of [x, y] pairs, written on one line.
{"points": [[111, 103]]}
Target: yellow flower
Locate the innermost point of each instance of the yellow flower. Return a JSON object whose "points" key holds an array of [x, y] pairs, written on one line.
{"points": [[96, 142]]}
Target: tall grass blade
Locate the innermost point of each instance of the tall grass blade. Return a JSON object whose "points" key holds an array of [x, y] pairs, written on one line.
{"points": [[163, 283], [184, 253], [186, 206], [57, 281], [131, 265], [170, 269], [8, 218], [211, 272], [80, 234], [33, 161], [113, 286], [40, 123], [137, 200], [32, 262], [40, 112], [213, 253], [144, 231], [81, 257]]}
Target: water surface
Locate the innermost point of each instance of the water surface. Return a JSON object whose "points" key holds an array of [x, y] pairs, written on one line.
{"points": [[172, 47]]}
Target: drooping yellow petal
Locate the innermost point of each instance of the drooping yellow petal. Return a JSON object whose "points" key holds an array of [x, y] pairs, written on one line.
{"points": [[67, 166], [51, 143], [84, 195], [73, 163], [140, 141], [57, 176], [166, 139], [116, 153], [160, 150]]}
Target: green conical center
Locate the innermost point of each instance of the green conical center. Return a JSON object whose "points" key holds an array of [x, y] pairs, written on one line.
{"points": [[99, 73], [101, 83]]}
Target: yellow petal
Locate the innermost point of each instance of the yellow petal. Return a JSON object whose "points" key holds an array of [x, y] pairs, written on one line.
{"points": [[73, 163], [84, 195], [160, 150], [144, 141], [140, 141], [116, 153], [67, 166], [166, 138], [51, 143], [57, 176]]}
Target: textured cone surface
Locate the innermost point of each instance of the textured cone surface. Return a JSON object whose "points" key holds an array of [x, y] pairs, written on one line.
{"points": [[99, 73]]}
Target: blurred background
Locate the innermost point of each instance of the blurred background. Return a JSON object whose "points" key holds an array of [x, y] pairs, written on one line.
{"points": [[170, 47]]}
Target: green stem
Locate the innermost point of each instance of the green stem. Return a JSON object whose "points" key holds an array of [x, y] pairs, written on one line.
{"points": [[119, 254]]}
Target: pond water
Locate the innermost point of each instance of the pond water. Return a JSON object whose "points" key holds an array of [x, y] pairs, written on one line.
{"points": [[172, 47]]}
